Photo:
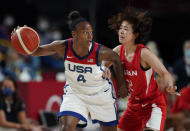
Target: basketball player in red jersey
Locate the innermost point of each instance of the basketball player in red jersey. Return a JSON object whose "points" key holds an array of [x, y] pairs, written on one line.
{"points": [[85, 91], [146, 109]]}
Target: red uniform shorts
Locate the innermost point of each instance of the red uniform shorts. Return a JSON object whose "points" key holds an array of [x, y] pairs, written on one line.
{"points": [[139, 116]]}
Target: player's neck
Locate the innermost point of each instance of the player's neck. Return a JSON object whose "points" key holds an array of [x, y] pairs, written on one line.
{"points": [[81, 49], [130, 48]]}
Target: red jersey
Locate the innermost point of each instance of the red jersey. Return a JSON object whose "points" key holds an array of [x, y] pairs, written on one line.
{"points": [[140, 82]]}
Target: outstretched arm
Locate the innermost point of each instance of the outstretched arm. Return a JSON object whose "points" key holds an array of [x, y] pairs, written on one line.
{"points": [[148, 59], [50, 49], [107, 54]]}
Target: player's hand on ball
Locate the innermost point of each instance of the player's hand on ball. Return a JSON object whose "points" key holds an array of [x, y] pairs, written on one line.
{"points": [[14, 30], [25, 40]]}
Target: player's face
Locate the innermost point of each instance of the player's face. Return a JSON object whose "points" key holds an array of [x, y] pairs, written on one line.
{"points": [[126, 33], [84, 33]]}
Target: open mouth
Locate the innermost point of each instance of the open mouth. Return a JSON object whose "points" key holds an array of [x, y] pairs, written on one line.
{"points": [[121, 37]]}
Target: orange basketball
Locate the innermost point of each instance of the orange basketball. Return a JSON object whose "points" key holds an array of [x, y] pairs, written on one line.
{"points": [[25, 40]]}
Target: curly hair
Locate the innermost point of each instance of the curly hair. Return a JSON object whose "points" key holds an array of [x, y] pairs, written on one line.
{"points": [[141, 23]]}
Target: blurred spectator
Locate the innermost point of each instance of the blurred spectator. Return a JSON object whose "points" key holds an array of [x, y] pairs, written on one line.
{"points": [[43, 29], [17, 65], [2, 66], [53, 62], [33, 65], [12, 114], [14, 63], [6, 27], [3, 70], [182, 66], [56, 34], [173, 121], [181, 106], [48, 34], [152, 45]]}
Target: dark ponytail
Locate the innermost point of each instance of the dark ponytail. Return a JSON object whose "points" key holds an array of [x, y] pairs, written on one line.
{"points": [[74, 18]]}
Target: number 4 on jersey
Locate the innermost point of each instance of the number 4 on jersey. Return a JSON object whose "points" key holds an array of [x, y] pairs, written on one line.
{"points": [[81, 78]]}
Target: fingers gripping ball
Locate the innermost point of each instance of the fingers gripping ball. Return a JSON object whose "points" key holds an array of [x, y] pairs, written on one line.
{"points": [[25, 40]]}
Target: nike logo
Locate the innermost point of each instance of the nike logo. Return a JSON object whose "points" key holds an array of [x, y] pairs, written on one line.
{"points": [[69, 57], [106, 90], [143, 105]]}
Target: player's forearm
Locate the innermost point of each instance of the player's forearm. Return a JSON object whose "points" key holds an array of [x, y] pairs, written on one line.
{"points": [[41, 51], [167, 79], [119, 72]]}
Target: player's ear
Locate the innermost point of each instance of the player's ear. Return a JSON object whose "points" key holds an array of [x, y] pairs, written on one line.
{"points": [[73, 34]]}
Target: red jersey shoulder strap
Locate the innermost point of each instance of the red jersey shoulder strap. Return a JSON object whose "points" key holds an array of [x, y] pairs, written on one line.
{"points": [[122, 51]]}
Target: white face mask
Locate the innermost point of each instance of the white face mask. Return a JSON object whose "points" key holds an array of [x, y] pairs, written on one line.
{"points": [[57, 35], [43, 25], [187, 55], [9, 21]]}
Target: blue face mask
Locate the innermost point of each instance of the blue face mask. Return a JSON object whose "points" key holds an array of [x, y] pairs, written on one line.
{"points": [[7, 91], [187, 53]]}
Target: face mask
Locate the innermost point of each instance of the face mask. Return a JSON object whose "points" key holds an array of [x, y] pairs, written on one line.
{"points": [[43, 25], [187, 53], [9, 21], [56, 35], [7, 91]]}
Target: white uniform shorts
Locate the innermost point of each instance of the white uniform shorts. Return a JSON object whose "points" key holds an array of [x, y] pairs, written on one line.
{"points": [[100, 106]]}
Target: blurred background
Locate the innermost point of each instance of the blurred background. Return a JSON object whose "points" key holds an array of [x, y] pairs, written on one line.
{"points": [[170, 30]]}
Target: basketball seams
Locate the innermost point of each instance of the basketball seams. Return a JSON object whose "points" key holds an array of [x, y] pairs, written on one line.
{"points": [[21, 41], [35, 33], [29, 37], [25, 40]]}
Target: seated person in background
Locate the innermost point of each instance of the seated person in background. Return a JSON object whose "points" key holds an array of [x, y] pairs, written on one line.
{"points": [[12, 113], [181, 106], [173, 120], [182, 67], [153, 46]]}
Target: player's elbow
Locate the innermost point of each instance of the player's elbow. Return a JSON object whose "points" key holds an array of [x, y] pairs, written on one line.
{"points": [[116, 60]]}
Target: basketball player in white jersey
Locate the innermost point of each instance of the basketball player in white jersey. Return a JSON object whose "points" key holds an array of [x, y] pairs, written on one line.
{"points": [[85, 92]]}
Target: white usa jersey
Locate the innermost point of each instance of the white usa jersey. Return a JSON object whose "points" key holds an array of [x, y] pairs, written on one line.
{"points": [[84, 74]]}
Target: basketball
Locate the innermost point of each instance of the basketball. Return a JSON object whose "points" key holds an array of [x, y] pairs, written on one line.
{"points": [[25, 40]]}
